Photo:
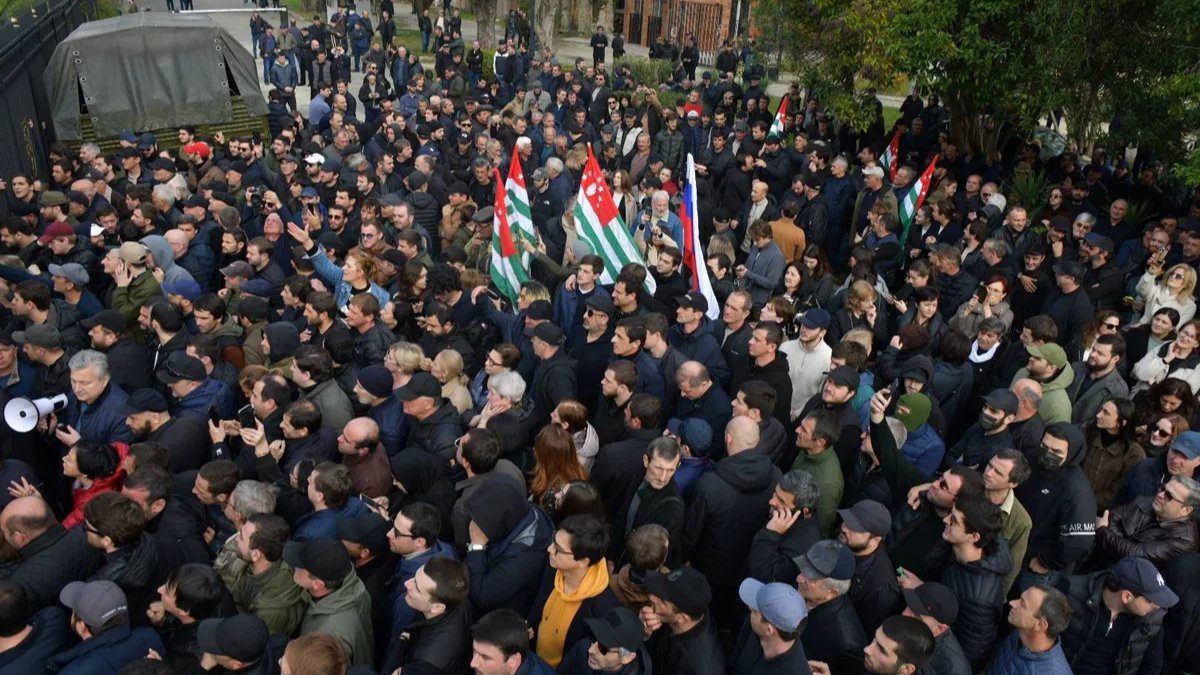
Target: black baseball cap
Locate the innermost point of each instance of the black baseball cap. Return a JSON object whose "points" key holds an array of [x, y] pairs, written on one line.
{"points": [[366, 529], [539, 310], [1002, 399], [182, 367], [1140, 577], [932, 599], [549, 333], [845, 376], [619, 627], [111, 320], [145, 400], [420, 384], [695, 301], [243, 637], [685, 588], [324, 559], [868, 516]]}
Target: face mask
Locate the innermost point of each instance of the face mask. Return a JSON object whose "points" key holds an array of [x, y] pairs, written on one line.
{"points": [[987, 422], [1048, 460]]}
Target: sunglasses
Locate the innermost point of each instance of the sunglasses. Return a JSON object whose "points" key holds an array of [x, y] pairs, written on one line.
{"points": [[1161, 431]]}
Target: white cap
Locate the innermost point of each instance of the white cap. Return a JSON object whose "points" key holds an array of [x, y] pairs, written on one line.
{"points": [[315, 158], [97, 230]]}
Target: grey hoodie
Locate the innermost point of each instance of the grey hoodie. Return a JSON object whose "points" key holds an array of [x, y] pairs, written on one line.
{"points": [[164, 259]]}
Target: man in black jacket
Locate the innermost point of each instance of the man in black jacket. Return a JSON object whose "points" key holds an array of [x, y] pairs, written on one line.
{"points": [[683, 636], [49, 556], [441, 639], [185, 437], [1069, 306], [790, 532], [724, 509], [128, 361], [834, 634], [436, 423], [1060, 495], [1116, 619], [656, 501], [618, 471], [554, 379], [767, 364], [937, 608], [873, 589]]}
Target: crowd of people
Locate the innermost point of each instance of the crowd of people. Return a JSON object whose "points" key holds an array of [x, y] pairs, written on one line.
{"points": [[288, 424]]}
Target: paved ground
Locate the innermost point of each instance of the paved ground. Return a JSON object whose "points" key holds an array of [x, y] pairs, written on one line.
{"points": [[238, 23]]}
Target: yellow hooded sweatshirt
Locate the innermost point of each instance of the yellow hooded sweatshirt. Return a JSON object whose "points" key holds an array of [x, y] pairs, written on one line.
{"points": [[560, 608]]}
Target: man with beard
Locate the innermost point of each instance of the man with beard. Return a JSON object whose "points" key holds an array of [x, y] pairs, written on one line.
{"points": [[128, 361], [873, 588], [1098, 379], [916, 543], [186, 437]]}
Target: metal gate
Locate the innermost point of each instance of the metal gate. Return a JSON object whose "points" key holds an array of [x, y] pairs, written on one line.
{"points": [[26, 44], [702, 20]]}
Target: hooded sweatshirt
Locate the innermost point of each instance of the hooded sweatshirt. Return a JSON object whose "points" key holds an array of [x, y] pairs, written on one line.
{"points": [[284, 340], [164, 259], [1066, 506], [561, 607], [1056, 403]]}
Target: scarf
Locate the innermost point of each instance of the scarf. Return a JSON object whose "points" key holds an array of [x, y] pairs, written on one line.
{"points": [[977, 357]]}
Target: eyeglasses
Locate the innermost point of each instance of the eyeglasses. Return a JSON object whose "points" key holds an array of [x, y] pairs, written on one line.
{"points": [[1111, 326], [90, 528], [558, 550], [1162, 490], [1161, 431], [400, 535]]}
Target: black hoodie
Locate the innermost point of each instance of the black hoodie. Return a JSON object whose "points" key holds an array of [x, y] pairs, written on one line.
{"points": [[726, 508], [1065, 504]]}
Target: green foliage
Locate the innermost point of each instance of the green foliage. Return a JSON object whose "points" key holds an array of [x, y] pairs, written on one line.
{"points": [[647, 70], [999, 65], [1029, 190], [107, 9], [1139, 212]]}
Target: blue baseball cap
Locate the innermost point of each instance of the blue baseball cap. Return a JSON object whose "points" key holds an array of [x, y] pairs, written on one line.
{"points": [[1140, 576], [1188, 443], [816, 318], [695, 433], [781, 605], [188, 288]]}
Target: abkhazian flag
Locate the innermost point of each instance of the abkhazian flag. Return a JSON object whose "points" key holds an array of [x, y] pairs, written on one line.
{"points": [[777, 125], [508, 270], [520, 218], [693, 252], [599, 223], [913, 200], [890, 153]]}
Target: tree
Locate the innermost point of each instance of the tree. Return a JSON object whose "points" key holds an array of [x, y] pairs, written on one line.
{"points": [[545, 21], [485, 20], [1000, 65]]}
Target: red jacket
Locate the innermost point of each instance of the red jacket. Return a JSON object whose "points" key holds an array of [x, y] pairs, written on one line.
{"points": [[111, 483]]}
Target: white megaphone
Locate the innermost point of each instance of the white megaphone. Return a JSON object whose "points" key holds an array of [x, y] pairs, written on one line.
{"points": [[22, 414]]}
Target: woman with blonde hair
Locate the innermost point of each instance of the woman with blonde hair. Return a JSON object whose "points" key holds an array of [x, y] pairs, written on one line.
{"points": [[1175, 289], [573, 416], [1179, 359], [556, 465], [447, 368], [403, 359], [861, 310]]}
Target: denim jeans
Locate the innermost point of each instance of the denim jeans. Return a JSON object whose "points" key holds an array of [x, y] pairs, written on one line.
{"points": [[425, 42]]}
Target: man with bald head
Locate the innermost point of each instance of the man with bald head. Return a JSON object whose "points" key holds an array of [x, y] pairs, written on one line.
{"points": [[49, 555], [702, 397], [1028, 426], [728, 505], [362, 453]]}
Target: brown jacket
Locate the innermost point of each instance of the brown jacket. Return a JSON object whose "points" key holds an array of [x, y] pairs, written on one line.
{"points": [[1107, 465], [789, 238]]}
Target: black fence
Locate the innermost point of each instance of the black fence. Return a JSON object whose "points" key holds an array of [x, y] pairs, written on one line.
{"points": [[26, 42]]}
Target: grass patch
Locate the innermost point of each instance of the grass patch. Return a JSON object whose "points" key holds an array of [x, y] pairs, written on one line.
{"points": [[890, 115]]}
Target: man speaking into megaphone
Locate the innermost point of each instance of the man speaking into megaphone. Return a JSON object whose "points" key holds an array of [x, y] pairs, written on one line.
{"points": [[95, 406]]}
